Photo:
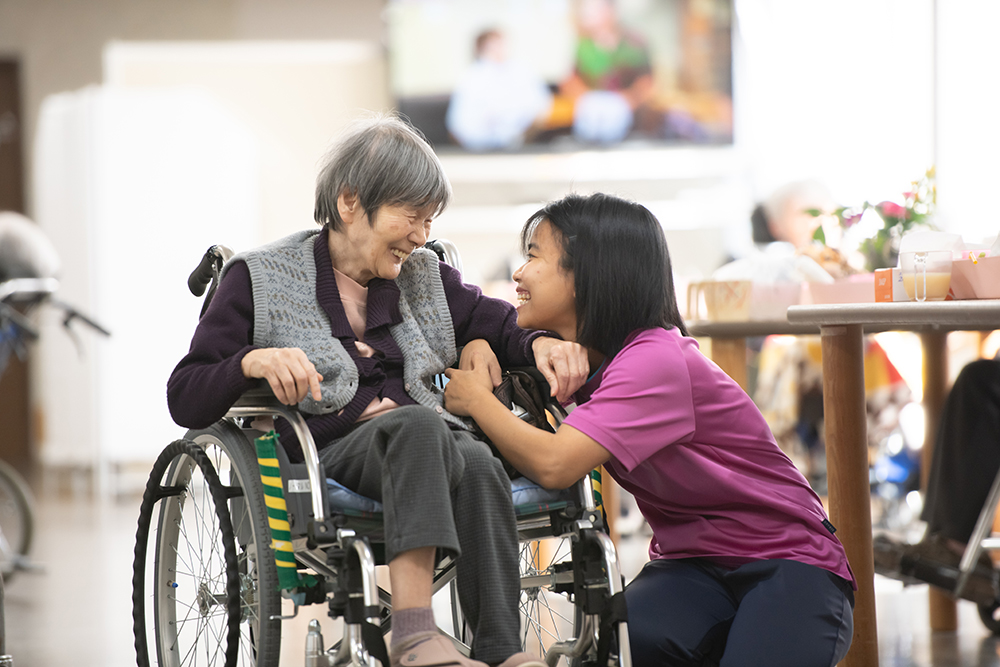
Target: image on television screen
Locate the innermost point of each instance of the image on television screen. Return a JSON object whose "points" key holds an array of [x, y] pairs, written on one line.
{"points": [[538, 75]]}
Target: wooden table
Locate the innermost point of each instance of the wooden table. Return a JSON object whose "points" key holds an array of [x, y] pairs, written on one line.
{"points": [[842, 327], [729, 340]]}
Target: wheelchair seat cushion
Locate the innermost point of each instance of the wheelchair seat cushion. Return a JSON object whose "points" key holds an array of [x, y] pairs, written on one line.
{"points": [[526, 492], [523, 492], [342, 498]]}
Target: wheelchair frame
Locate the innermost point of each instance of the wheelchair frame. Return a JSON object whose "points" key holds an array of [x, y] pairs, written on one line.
{"points": [[232, 606]]}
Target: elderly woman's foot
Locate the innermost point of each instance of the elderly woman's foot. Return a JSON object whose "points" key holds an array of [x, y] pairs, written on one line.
{"points": [[429, 649], [522, 660]]}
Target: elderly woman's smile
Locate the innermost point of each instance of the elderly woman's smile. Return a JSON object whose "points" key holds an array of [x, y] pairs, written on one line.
{"points": [[367, 249]]}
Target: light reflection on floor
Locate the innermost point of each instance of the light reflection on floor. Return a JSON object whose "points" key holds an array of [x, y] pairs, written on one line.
{"points": [[78, 610]]}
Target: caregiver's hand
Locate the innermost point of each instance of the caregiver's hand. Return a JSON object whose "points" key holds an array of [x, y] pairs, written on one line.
{"points": [[563, 364]]}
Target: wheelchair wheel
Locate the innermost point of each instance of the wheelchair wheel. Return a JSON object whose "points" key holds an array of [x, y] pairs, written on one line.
{"points": [[234, 457], [567, 609], [214, 587], [548, 615], [17, 520], [989, 614]]}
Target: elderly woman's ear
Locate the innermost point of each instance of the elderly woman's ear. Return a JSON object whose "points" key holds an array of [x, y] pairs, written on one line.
{"points": [[347, 206]]}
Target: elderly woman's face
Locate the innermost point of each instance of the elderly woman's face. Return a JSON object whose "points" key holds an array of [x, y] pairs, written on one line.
{"points": [[378, 250]]}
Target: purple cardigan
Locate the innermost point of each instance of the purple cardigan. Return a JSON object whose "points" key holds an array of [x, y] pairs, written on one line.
{"points": [[209, 379]]}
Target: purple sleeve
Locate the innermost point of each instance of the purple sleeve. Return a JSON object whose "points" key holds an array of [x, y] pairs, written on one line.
{"points": [[209, 379], [494, 320]]}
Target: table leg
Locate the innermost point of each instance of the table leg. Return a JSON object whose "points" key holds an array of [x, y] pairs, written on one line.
{"points": [[730, 354], [847, 476], [941, 606]]}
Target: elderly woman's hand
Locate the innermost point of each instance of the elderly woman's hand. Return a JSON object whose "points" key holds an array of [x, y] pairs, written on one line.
{"points": [[563, 364], [479, 354], [287, 369]]}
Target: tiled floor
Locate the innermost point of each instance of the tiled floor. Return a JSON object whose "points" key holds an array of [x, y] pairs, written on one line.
{"points": [[77, 611]]}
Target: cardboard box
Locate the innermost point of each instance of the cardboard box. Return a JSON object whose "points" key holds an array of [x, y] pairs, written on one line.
{"points": [[976, 280], [858, 288]]}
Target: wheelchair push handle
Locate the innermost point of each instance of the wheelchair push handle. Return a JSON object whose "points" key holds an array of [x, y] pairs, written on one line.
{"points": [[208, 268]]}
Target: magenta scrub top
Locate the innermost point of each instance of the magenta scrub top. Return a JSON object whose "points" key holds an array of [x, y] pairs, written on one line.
{"points": [[699, 458]]}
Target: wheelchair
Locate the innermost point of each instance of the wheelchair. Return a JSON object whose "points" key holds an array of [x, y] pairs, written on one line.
{"points": [[229, 529]]}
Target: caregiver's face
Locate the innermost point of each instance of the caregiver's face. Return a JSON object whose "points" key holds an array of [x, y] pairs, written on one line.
{"points": [[545, 293]]}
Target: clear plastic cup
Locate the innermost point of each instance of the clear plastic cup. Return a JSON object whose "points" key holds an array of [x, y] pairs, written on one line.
{"points": [[926, 274]]}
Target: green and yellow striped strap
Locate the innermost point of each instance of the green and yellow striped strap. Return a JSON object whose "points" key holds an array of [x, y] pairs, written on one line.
{"points": [[277, 511]]}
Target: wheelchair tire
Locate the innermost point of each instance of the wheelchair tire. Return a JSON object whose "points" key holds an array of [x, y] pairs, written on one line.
{"points": [[988, 614], [194, 572], [17, 520], [233, 454]]}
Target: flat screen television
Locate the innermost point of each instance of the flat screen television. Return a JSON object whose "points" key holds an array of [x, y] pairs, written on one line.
{"points": [[544, 75]]}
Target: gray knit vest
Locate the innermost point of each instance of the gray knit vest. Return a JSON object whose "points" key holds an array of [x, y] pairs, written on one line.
{"points": [[288, 314]]}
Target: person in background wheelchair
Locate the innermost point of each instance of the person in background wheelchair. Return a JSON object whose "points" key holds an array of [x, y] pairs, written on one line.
{"points": [[351, 322], [963, 470], [745, 568]]}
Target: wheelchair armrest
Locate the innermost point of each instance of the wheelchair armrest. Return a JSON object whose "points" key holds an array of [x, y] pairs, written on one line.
{"points": [[261, 401], [260, 396]]}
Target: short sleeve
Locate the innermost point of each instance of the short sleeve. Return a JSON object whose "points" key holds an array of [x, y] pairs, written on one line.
{"points": [[644, 402]]}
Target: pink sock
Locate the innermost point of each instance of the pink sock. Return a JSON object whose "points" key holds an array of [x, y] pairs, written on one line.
{"points": [[407, 622]]}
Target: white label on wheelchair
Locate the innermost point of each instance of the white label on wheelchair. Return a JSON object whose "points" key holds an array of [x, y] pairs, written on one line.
{"points": [[299, 486]]}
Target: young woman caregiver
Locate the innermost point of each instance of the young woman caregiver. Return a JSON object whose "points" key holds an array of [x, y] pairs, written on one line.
{"points": [[744, 567]]}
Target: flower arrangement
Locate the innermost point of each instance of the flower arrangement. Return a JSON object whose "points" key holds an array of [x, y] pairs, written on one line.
{"points": [[880, 249]]}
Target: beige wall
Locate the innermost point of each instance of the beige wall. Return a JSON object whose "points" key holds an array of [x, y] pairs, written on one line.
{"points": [[60, 43], [293, 97]]}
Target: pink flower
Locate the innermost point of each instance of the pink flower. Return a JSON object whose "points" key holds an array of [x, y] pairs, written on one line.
{"points": [[851, 220], [888, 209]]}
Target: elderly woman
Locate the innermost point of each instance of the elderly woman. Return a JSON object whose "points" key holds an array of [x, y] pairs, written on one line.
{"points": [[351, 322]]}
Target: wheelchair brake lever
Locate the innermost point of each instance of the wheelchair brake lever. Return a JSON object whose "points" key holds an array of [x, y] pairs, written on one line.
{"points": [[72, 313], [297, 600]]}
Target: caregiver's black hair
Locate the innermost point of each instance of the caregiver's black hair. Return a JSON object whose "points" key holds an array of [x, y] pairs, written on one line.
{"points": [[620, 263]]}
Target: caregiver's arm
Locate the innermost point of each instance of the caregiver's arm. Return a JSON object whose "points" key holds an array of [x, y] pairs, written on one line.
{"points": [[553, 460]]}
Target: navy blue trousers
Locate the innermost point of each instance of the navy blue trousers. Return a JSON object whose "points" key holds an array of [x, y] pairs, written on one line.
{"points": [[770, 613]]}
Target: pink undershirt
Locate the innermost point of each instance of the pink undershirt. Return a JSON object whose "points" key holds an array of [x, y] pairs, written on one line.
{"points": [[355, 300]]}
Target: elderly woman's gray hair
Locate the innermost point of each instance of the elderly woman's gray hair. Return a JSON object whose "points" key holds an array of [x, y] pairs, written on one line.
{"points": [[384, 162]]}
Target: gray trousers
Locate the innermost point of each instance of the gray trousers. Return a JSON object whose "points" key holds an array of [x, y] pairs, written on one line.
{"points": [[441, 488]]}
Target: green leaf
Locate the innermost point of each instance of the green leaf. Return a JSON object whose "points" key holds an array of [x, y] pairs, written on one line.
{"points": [[819, 235], [814, 212]]}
